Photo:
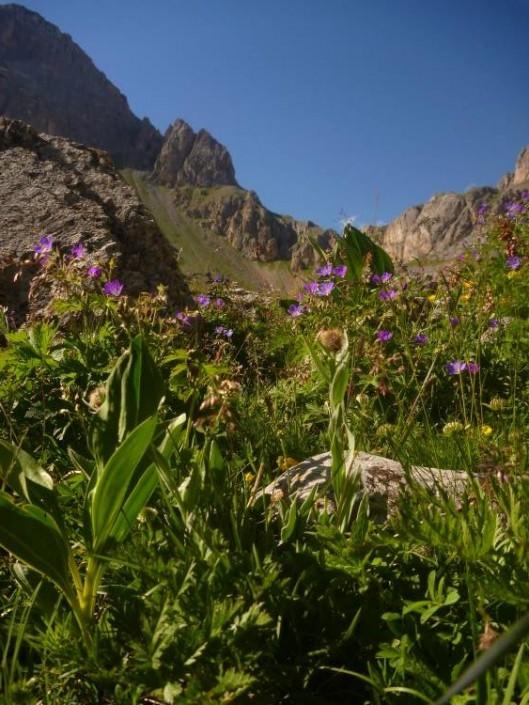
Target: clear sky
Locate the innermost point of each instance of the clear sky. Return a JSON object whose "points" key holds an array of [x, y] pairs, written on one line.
{"points": [[328, 107]]}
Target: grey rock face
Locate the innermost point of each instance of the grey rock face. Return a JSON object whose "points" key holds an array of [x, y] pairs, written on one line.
{"points": [[521, 171], [49, 82], [50, 185], [440, 227], [249, 227], [193, 158]]}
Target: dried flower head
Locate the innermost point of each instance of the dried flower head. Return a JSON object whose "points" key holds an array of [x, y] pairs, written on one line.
{"points": [[332, 339]]}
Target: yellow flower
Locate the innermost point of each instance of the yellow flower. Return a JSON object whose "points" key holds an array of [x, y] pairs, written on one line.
{"points": [[513, 273], [249, 478], [486, 430], [465, 297], [286, 463], [433, 298], [452, 427]]}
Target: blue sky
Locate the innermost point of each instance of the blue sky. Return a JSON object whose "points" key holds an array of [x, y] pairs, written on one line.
{"points": [[330, 108]]}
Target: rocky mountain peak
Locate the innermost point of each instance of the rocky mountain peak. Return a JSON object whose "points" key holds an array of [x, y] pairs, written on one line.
{"points": [[47, 80], [194, 158]]}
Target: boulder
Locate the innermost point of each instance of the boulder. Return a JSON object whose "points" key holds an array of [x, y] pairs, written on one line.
{"points": [[53, 186]]}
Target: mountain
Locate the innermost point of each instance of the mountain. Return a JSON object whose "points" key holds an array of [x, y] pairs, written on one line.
{"points": [[186, 178], [47, 81], [442, 227], [53, 186]]}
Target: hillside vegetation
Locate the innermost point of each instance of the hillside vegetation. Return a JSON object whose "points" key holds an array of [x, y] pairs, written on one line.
{"points": [[141, 560]]}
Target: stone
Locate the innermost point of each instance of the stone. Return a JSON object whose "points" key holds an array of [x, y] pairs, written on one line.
{"points": [[53, 186], [381, 479], [521, 170]]}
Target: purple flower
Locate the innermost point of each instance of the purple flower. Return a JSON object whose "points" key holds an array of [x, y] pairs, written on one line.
{"points": [[525, 195], [218, 278], [223, 332], [340, 270], [312, 288], [472, 368], [513, 209], [420, 339], [383, 278], [325, 288], [78, 251], [387, 294], [184, 319], [296, 310], [202, 300], [513, 262], [494, 323], [45, 245], [94, 272], [219, 303], [113, 288], [384, 336], [456, 367], [454, 321], [482, 212], [325, 270]]}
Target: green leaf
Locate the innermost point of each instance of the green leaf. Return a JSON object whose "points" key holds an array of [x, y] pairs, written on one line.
{"points": [[33, 536], [20, 471], [134, 390], [112, 487]]}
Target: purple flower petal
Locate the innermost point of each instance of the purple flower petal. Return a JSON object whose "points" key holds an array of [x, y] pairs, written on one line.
{"points": [[384, 336], [94, 272], [113, 288], [202, 300], [325, 270], [339, 271], [325, 288]]}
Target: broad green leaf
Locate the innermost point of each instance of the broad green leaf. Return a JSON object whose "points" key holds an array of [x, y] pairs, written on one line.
{"points": [[143, 487], [134, 390], [21, 472], [33, 536], [113, 484]]}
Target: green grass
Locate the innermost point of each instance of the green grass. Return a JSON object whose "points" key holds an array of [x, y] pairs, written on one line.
{"points": [[203, 251]]}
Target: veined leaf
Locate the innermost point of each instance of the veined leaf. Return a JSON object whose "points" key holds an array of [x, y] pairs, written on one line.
{"points": [[113, 484], [33, 536], [20, 471]]}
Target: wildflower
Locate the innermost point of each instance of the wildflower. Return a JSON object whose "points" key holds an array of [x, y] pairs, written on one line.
{"points": [[388, 294], [420, 339], [184, 318], [486, 430], [113, 288], [456, 367], [218, 278], [452, 427], [219, 303], [494, 323], [286, 462], [497, 404], [513, 262], [325, 270], [296, 310], [94, 272], [524, 195], [482, 212], [332, 339], [325, 288], [488, 637], [512, 209], [384, 336], [454, 321], [249, 478], [381, 278], [45, 245], [78, 251], [223, 332], [97, 397], [312, 288], [340, 270], [202, 300], [473, 368]]}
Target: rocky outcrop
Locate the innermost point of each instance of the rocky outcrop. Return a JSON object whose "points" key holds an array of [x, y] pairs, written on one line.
{"points": [[444, 226], [50, 185], [47, 81], [249, 227], [521, 170], [437, 228], [196, 158]]}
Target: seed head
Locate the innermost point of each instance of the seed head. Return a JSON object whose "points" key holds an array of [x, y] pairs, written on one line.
{"points": [[332, 339]]}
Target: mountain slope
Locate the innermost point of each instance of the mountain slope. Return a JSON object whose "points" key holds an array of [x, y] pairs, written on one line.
{"points": [[48, 81]]}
